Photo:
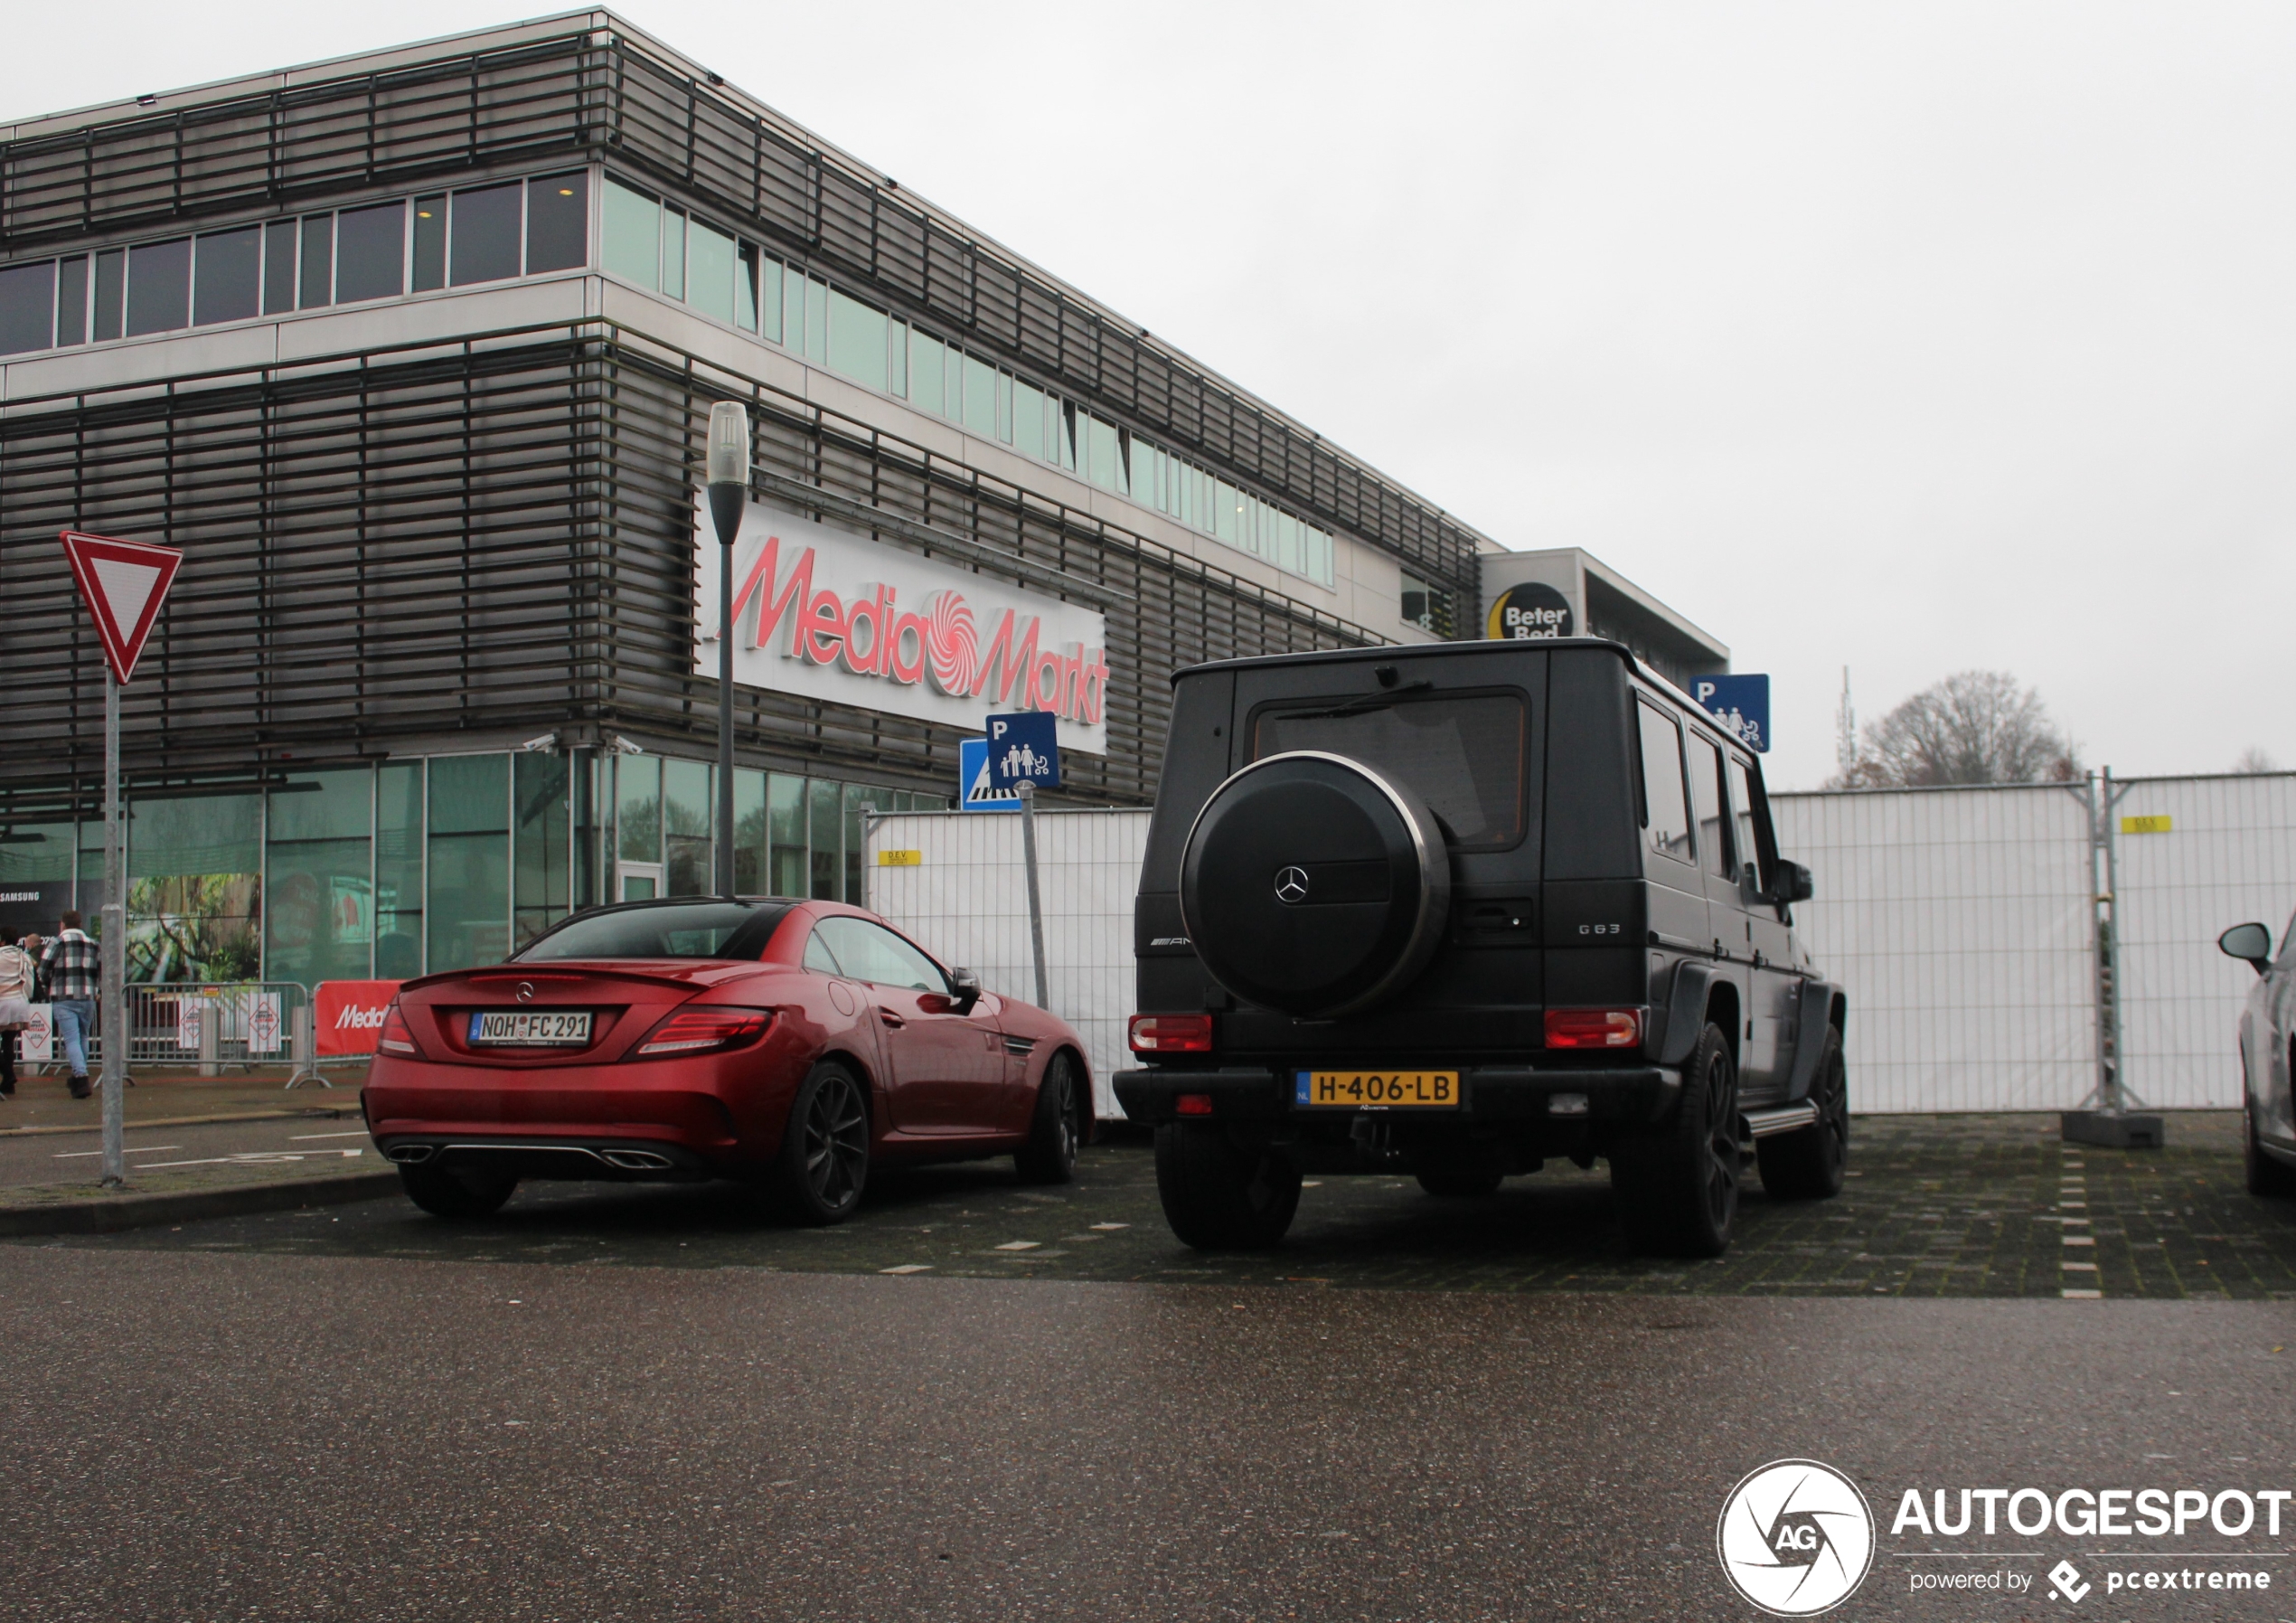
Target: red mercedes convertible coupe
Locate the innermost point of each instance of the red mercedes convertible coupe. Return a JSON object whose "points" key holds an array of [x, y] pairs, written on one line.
{"points": [[792, 1044]]}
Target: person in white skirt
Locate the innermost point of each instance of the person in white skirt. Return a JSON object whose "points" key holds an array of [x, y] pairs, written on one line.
{"points": [[17, 967]]}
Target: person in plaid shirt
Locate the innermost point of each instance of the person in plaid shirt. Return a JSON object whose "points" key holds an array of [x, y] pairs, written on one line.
{"points": [[73, 967]]}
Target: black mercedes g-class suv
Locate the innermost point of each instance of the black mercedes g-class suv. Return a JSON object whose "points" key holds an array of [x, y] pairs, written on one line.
{"points": [[1460, 908]]}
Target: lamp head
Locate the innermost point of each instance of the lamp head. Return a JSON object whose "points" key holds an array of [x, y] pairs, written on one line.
{"points": [[728, 459]]}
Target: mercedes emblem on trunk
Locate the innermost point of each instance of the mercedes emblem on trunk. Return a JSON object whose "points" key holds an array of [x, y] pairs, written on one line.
{"points": [[1291, 885], [526, 991]]}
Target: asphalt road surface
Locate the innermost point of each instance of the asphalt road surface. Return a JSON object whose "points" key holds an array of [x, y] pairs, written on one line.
{"points": [[314, 1144], [579, 1414]]}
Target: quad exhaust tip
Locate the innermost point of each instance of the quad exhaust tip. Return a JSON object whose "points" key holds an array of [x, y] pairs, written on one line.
{"points": [[636, 1160]]}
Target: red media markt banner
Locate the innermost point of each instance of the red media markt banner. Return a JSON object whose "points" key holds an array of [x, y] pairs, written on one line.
{"points": [[346, 1014]]}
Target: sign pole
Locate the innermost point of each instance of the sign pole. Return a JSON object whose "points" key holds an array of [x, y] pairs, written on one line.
{"points": [[1028, 793], [114, 988]]}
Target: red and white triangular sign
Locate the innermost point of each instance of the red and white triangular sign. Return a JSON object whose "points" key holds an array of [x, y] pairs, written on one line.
{"points": [[122, 583]]}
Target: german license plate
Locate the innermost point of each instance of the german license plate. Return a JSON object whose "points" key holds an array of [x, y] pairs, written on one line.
{"points": [[530, 1028], [1378, 1090]]}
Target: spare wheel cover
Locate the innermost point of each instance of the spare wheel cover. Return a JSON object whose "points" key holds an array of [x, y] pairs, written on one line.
{"points": [[1314, 884]]}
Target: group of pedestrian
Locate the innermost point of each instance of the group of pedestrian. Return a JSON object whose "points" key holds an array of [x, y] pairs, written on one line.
{"points": [[64, 970]]}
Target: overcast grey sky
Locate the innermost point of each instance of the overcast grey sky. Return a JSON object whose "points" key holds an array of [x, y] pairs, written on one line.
{"points": [[1907, 337]]}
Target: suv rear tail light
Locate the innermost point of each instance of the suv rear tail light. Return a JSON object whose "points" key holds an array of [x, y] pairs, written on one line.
{"points": [[396, 1036], [1594, 1028], [1171, 1033], [692, 1031], [1193, 1104]]}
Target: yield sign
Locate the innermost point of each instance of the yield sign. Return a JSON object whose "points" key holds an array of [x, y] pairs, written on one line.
{"points": [[122, 583]]}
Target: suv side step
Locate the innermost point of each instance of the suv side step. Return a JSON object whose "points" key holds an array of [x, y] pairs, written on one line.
{"points": [[1785, 1118]]}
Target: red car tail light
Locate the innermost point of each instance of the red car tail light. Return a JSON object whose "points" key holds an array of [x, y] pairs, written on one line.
{"points": [[690, 1031], [397, 1037], [1193, 1104], [1594, 1028], [1171, 1033]]}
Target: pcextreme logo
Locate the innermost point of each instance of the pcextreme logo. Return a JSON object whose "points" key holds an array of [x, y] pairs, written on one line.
{"points": [[1796, 1538]]}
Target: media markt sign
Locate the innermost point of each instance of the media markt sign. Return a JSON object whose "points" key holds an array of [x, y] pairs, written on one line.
{"points": [[837, 617]]}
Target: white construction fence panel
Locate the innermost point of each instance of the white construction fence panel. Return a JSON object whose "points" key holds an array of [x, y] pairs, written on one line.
{"points": [[957, 883], [2196, 856], [1961, 923]]}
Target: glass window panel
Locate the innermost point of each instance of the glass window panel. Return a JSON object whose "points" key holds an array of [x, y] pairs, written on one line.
{"points": [[370, 250], [1466, 755], [828, 826], [785, 832], [430, 242], [745, 290], [541, 853], [27, 308], [467, 902], [1747, 849], [637, 808], [1107, 468], [953, 383], [1027, 421], [769, 296], [1292, 554], [793, 310], [674, 253], [40, 853], [398, 870], [860, 801], [318, 901], [925, 358], [1666, 806], [279, 266], [71, 301], [194, 892], [871, 952], [1004, 407], [485, 243], [750, 843], [817, 321], [1706, 798], [228, 276], [111, 284], [590, 831], [1064, 427], [318, 287], [685, 828], [980, 398], [557, 223], [1228, 512], [709, 265], [159, 287], [857, 335], [897, 351], [630, 228]]}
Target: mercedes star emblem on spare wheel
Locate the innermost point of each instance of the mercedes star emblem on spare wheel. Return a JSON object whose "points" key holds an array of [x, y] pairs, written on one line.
{"points": [[526, 991], [1291, 885]]}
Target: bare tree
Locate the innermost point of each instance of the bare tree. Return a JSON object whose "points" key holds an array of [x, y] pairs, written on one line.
{"points": [[2255, 761], [1974, 727]]}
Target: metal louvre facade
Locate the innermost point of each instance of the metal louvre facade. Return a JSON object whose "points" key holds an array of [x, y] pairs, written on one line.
{"points": [[498, 534], [585, 86]]}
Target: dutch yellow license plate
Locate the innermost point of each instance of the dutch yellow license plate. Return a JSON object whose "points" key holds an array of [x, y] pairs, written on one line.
{"points": [[1378, 1090]]}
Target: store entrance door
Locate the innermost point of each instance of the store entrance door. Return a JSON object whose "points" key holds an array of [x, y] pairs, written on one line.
{"points": [[637, 882]]}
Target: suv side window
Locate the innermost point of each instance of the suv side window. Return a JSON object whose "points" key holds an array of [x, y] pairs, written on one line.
{"points": [[871, 952], [1748, 852], [1666, 808], [1705, 794]]}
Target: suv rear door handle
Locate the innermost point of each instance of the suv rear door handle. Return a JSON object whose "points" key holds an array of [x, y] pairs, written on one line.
{"points": [[892, 1019]]}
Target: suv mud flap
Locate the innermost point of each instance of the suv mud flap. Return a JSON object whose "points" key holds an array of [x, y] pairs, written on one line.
{"points": [[1638, 1094]]}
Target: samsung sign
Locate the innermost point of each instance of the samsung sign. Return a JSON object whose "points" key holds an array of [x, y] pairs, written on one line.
{"points": [[832, 617]]}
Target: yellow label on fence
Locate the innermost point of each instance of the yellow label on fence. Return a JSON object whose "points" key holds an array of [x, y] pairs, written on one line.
{"points": [[2144, 825], [900, 859]]}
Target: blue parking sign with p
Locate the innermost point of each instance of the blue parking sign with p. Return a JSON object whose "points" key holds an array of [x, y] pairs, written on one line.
{"points": [[1741, 704], [1024, 748]]}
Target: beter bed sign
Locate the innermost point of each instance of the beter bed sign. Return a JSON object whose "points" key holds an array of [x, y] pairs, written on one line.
{"points": [[836, 617]]}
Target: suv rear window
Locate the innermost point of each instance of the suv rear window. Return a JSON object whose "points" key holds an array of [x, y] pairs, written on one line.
{"points": [[1464, 752]]}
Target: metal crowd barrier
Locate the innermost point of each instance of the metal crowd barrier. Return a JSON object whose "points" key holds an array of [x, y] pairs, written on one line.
{"points": [[214, 1026]]}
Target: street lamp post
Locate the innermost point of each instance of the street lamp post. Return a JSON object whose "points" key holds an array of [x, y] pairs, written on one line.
{"points": [[729, 481]]}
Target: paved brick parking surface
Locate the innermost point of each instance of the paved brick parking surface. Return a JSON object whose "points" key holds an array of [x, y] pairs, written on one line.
{"points": [[1946, 1206]]}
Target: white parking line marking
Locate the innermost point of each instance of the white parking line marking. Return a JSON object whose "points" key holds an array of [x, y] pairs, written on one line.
{"points": [[908, 1267], [2082, 1295], [1105, 1226], [133, 1150], [301, 1137], [1019, 1245]]}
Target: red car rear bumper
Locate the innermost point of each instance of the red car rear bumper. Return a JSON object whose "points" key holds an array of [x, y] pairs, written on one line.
{"points": [[709, 1113]]}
